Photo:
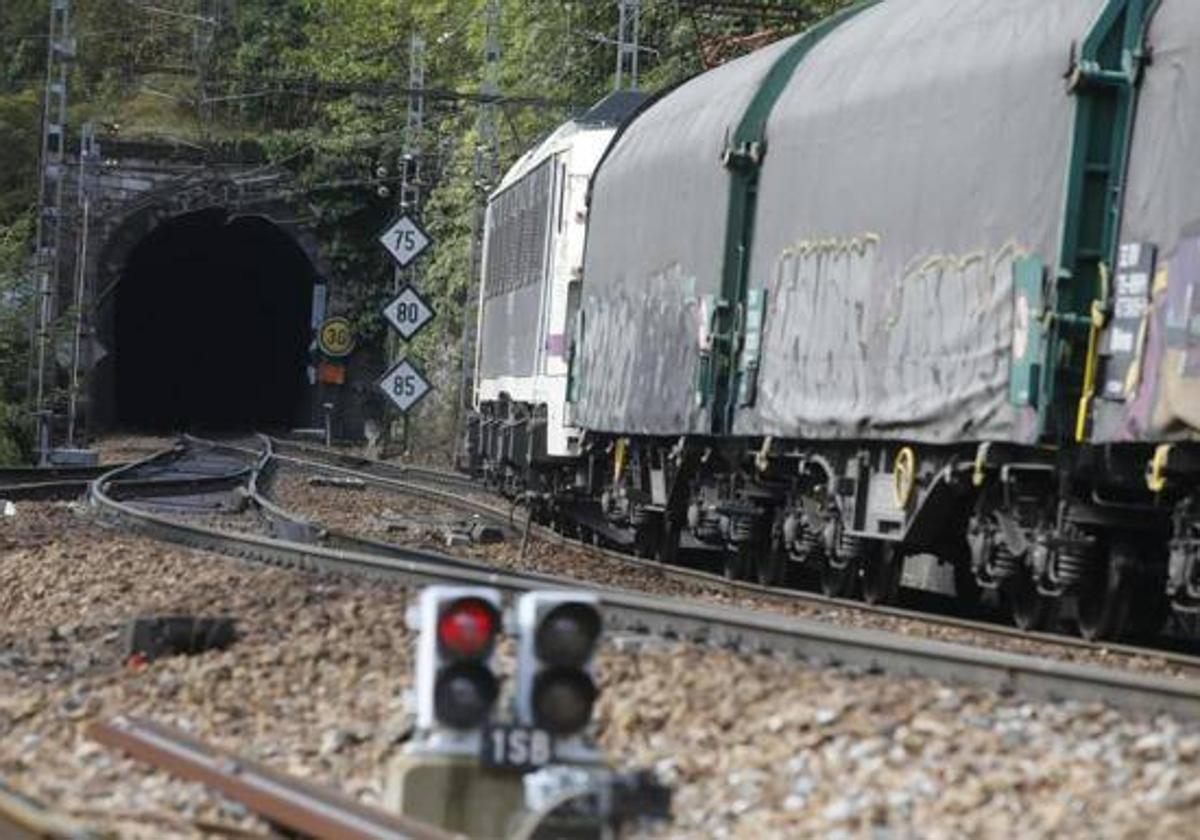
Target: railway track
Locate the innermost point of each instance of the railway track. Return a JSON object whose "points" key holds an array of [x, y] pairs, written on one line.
{"points": [[41, 484], [301, 808], [402, 472], [676, 618], [380, 474], [168, 473], [22, 818], [32, 475]]}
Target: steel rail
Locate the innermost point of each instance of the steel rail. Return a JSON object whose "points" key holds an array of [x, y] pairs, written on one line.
{"points": [[721, 583], [42, 484], [750, 630], [167, 474], [22, 818], [292, 526], [37, 475], [285, 801], [283, 522], [151, 488], [400, 471], [45, 491], [141, 488]]}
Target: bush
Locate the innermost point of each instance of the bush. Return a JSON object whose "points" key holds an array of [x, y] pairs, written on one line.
{"points": [[16, 436]]}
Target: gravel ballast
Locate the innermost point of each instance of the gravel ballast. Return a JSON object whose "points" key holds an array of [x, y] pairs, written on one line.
{"points": [[756, 746], [377, 513]]}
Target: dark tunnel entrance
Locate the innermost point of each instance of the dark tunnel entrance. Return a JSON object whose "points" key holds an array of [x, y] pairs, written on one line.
{"points": [[212, 326]]}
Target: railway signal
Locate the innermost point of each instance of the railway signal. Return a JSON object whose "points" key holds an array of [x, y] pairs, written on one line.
{"points": [[456, 686], [559, 634]]}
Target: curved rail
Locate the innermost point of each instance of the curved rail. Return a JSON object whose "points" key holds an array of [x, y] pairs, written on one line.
{"points": [[35, 475], [45, 491], [677, 618], [398, 471], [43, 484], [290, 526], [22, 818], [698, 576]]}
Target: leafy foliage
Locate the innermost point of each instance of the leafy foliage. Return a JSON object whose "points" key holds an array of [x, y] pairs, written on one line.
{"points": [[14, 306], [320, 85]]}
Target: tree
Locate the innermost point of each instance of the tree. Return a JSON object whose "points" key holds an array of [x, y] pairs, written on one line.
{"points": [[319, 86]]}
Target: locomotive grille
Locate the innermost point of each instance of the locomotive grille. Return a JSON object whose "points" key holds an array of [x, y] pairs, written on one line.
{"points": [[516, 246]]}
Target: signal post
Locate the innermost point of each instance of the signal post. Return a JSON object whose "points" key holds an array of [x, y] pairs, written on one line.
{"points": [[494, 769]]}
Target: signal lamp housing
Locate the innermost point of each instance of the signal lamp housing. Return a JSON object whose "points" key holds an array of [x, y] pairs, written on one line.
{"points": [[562, 700], [464, 694], [559, 635], [456, 686], [568, 634]]}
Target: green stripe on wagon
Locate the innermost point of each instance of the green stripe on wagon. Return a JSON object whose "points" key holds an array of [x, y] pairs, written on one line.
{"points": [[743, 157]]}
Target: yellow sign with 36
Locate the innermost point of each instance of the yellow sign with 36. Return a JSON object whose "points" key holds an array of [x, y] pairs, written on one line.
{"points": [[336, 338]]}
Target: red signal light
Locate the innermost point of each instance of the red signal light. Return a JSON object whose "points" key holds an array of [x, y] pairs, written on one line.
{"points": [[467, 628]]}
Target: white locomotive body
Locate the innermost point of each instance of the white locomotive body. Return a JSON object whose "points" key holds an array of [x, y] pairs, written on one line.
{"points": [[532, 277]]}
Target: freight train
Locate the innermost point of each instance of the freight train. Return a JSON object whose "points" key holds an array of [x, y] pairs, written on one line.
{"points": [[914, 288]]}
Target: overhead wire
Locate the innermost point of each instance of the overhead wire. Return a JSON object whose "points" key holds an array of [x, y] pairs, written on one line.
{"points": [[146, 7], [88, 34], [307, 93]]}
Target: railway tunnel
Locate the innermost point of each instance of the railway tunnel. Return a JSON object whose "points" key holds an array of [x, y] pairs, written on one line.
{"points": [[211, 326]]}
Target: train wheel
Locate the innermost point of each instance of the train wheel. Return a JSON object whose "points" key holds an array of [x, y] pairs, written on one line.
{"points": [[1104, 598], [1031, 610], [882, 566], [839, 582], [646, 536], [771, 564], [1150, 611], [967, 591], [666, 549], [1150, 608], [739, 561], [564, 524]]}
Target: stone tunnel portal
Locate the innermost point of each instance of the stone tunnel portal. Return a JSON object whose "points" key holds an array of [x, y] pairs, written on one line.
{"points": [[212, 326]]}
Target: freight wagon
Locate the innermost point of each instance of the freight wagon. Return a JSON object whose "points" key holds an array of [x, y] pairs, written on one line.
{"points": [[916, 285]]}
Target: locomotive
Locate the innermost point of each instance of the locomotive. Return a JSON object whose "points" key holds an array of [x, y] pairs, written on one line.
{"points": [[911, 291]]}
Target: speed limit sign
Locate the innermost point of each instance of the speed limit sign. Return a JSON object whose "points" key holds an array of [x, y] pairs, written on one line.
{"points": [[405, 386], [408, 313], [336, 338], [405, 240]]}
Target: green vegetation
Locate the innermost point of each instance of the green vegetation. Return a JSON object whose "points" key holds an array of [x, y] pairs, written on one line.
{"points": [[318, 85]]}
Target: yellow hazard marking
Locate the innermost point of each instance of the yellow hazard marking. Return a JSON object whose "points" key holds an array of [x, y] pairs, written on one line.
{"points": [[1091, 361], [981, 456], [619, 453], [762, 460], [904, 476], [1156, 479]]}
